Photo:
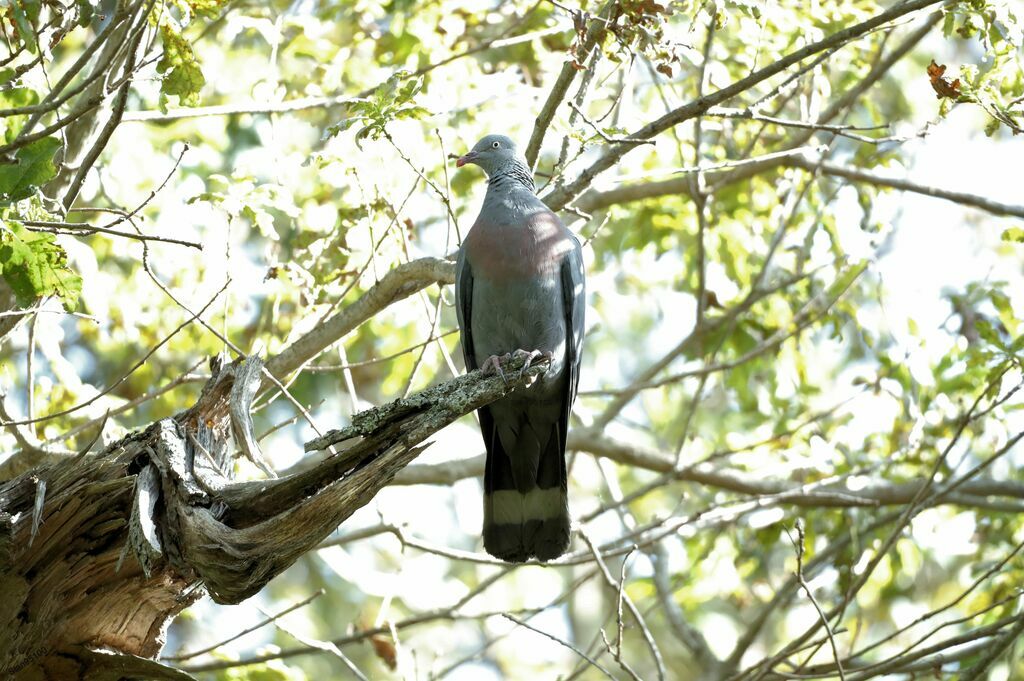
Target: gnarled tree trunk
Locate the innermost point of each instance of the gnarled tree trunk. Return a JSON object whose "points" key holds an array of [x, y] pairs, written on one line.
{"points": [[99, 552]]}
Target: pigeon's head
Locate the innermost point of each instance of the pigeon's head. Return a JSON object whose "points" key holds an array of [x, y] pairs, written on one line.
{"points": [[492, 153]]}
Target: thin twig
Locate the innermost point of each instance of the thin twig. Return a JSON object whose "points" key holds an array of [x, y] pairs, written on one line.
{"points": [[594, 32], [637, 617], [563, 195], [123, 378], [262, 623], [324, 646], [87, 229], [602, 134], [798, 544], [591, 661]]}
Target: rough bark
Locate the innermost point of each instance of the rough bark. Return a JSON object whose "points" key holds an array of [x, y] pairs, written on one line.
{"points": [[99, 551]]}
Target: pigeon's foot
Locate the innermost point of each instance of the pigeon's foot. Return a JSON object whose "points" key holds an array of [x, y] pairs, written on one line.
{"points": [[528, 357], [492, 365]]}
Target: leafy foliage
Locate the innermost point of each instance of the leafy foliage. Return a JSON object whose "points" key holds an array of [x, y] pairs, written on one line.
{"points": [[33, 166], [25, 13], [34, 266], [182, 76], [393, 100]]}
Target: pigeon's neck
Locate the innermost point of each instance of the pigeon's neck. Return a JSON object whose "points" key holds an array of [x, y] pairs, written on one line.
{"points": [[515, 175], [510, 196]]}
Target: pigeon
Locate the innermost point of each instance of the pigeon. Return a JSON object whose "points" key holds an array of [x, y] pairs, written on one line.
{"points": [[520, 291]]}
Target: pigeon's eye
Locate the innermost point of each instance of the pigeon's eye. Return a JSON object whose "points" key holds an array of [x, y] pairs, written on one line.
{"points": [[495, 144]]}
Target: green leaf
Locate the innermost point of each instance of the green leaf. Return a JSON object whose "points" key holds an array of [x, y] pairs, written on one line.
{"points": [[15, 98], [18, 97], [414, 111], [35, 265], [21, 20], [1013, 234], [341, 126], [86, 11], [948, 24], [182, 75], [987, 332], [273, 670], [33, 167], [205, 7], [846, 278], [991, 127], [408, 90]]}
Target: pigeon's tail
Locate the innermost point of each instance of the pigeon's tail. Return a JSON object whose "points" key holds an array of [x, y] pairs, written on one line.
{"points": [[526, 509]]}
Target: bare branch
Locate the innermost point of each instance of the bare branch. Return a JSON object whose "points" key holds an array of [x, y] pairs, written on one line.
{"points": [[87, 229], [600, 133], [798, 544], [863, 176], [124, 377], [306, 103], [323, 646], [637, 617], [593, 200], [977, 493], [248, 630]]}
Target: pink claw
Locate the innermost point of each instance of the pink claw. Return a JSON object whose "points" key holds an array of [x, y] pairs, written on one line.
{"points": [[492, 365], [528, 357]]}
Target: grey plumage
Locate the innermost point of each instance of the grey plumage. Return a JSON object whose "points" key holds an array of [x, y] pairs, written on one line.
{"points": [[520, 286]]}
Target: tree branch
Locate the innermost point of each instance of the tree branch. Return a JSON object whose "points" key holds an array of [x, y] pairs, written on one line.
{"points": [[594, 33], [593, 200], [306, 103], [835, 495], [560, 197], [976, 493], [401, 282], [863, 176], [190, 524]]}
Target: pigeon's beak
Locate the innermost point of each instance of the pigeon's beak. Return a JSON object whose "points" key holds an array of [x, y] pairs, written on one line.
{"points": [[468, 158]]}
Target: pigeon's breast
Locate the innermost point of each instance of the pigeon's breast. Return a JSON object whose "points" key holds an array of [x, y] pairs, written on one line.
{"points": [[514, 247], [517, 292]]}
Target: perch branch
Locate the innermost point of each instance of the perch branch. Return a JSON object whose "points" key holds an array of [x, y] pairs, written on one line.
{"points": [[152, 517]]}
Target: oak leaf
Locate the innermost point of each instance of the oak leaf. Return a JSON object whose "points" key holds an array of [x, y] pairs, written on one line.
{"points": [[944, 89]]}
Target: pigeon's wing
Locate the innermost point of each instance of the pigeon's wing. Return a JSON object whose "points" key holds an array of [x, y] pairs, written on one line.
{"points": [[499, 539], [464, 311], [574, 296], [464, 307]]}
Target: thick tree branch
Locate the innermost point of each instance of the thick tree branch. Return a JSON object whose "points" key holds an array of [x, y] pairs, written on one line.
{"points": [[1001, 495], [190, 524], [681, 186], [82, 136], [838, 495], [593, 199]]}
